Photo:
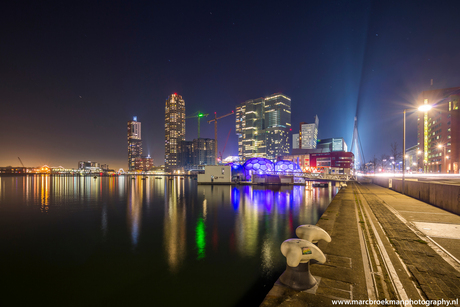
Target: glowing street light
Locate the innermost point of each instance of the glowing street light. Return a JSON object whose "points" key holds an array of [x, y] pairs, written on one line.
{"points": [[425, 108]]}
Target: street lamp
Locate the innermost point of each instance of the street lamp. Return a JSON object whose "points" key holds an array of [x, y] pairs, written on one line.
{"points": [[422, 108]]}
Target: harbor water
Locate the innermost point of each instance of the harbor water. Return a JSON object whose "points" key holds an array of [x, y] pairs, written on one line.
{"points": [[162, 241]]}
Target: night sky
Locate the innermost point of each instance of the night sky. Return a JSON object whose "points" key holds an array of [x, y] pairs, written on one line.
{"points": [[72, 73]]}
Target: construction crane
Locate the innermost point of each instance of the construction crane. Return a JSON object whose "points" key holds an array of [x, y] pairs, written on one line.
{"points": [[215, 128], [226, 141], [199, 116], [21, 162]]}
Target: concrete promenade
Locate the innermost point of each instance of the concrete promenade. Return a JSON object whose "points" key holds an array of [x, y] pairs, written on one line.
{"points": [[385, 245]]}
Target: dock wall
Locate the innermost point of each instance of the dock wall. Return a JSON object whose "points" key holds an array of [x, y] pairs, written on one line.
{"points": [[441, 195]]}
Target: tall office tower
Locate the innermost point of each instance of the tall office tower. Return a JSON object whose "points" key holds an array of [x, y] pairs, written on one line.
{"points": [[249, 128], [438, 136], [134, 142], [308, 134], [174, 130], [263, 126], [277, 122]]}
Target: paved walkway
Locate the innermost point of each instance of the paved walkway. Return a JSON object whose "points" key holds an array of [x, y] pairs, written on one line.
{"points": [[385, 245], [398, 214]]}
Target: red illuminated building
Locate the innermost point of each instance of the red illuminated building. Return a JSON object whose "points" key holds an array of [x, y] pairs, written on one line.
{"points": [[336, 162]]}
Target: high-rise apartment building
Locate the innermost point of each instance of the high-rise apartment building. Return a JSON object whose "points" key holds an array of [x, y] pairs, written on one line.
{"points": [[438, 131], [263, 126], [307, 136], [174, 130], [203, 151], [134, 142]]}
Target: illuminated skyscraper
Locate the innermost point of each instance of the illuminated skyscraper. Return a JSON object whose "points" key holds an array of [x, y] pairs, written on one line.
{"points": [[277, 125], [174, 130], [134, 142], [263, 126]]}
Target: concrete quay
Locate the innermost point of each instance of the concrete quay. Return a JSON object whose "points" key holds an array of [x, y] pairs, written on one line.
{"points": [[385, 245]]}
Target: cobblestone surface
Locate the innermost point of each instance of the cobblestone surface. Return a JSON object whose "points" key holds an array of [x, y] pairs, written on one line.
{"points": [[437, 279]]}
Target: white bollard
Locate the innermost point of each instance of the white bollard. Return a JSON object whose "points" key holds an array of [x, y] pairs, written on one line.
{"points": [[298, 253], [312, 233]]}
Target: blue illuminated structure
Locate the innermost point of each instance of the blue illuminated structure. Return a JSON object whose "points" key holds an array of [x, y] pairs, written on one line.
{"points": [[258, 166], [237, 171], [235, 166], [287, 167]]}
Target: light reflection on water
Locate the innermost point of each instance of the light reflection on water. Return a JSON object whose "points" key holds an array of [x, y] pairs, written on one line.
{"points": [[185, 235], [174, 226]]}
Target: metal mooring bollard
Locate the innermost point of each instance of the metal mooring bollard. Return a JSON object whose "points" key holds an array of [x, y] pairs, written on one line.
{"points": [[312, 233], [298, 253]]}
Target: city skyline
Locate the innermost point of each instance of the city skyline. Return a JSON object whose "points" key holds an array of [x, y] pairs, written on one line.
{"points": [[71, 75]]}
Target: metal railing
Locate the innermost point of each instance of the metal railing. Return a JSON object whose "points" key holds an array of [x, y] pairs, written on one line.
{"points": [[315, 176]]}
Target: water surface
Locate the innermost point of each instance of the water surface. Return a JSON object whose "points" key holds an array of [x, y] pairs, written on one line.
{"points": [[123, 241]]}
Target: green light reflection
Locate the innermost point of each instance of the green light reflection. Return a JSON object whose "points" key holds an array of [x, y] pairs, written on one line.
{"points": [[200, 238]]}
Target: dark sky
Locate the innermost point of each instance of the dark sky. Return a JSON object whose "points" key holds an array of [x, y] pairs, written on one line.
{"points": [[73, 73]]}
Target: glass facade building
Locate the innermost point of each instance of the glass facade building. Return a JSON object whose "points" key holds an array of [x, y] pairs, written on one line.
{"points": [[263, 127]]}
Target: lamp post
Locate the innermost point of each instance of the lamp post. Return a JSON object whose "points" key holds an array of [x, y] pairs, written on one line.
{"points": [[422, 108]]}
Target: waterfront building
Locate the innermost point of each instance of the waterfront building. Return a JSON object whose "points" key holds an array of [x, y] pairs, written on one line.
{"points": [[89, 166], [144, 163], [134, 142], [197, 153], [203, 151], [334, 162], [263, 126], [438, 131], [18, 170], [174, 130]]}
